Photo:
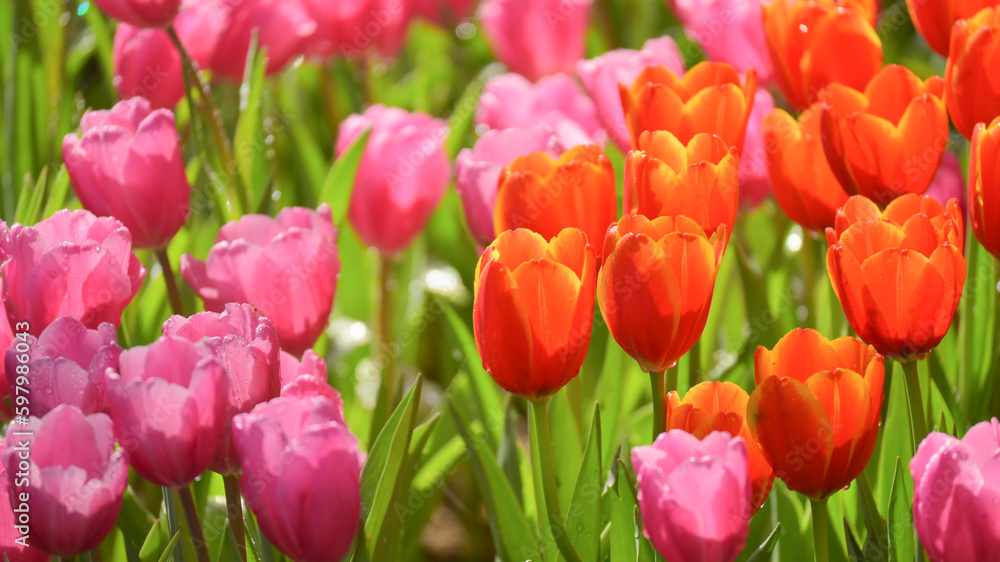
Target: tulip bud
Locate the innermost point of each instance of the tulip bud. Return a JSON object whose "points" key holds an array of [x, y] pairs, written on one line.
{"points": [[536, 38], [141, 13], [147, 65]]}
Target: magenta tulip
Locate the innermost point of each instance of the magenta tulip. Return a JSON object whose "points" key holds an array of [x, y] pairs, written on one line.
{"points": [[127, 164], [536, 38], [478, 171], [286, 266], [694, 495], [141, 13], [308, 378], [6, 338], [754, 181], [402, 176], [948, 182], [70, 264], [510, 101], [283, 27], [169, 401], [301, 476], [730, 31], [147, 65], [65, 365], [66, 465], [13, 544], [247, 345], [956, 494], [602, 75]]}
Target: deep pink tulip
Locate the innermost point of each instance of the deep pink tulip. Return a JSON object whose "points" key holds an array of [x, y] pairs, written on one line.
{"points": [[169, 401], [957, 493], [6, 338], [247, 345], [339, 25], [402, 176], [948, 182], [301, 476], [147, 66], [362, 26], [478, 171], [602, 75], [730, 31], [510, 101], [127, 164], [70, 264], [308, 378], [13, 544], [536, 38], [444, 11], [284, 28], [141, 13], [76, 480], [65, 365], [754, 181], [199, 26], [694, 495], [286, 266]]}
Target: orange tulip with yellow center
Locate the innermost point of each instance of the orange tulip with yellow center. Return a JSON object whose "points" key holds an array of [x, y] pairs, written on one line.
{"points": [[984, 185], [663, 177], [655, 288], [898, 273], [888, 140], [709, 98], [972, 82], [534, 309], [935, 18], [814, 43], [815, 412], [721, 406], [547, 195]]}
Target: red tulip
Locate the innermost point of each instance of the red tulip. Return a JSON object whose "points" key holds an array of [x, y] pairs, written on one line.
{"points": [[971, 88], [984, 185], [934, 19]]}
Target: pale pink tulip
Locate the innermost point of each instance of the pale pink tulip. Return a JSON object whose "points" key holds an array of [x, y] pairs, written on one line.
{"points": [[536, 38], [730, 31]]}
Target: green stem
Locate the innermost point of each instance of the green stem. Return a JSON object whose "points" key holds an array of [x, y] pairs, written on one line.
{"points": [[173, 292], [173, 524], [659, 388], [918, 425], [234, 509], [194, 524], [694, 364], [820, 518], [546, 466], [384, 351]]}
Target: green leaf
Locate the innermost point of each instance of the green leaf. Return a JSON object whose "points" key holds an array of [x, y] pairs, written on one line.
{"points": [[508, 453], [874, 524], [854, 552], [130, 553], [57, 193], [228, 551], [153, 546], [764, 551], [460, 122], [623, 543], [948, 392], [902, 547], [169, 549], [484, 387], [339, 182], [249, 147], [584, 517]]}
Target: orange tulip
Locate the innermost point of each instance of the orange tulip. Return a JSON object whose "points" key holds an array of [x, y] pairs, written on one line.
{"points": [[655, 288], [898, 273], [935, 18], [815, 411], [708, 99], [888, 140], [801, 179], [700, 181], [984, 185], [721, 406], [972, 85], [547, 195], [818, 42], [534, 309]]}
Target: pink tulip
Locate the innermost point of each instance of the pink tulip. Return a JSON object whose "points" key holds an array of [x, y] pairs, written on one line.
{"points": [[338, 24], [286, 266], [402, 176], [478, 170], [301, 476], [199, 26], [536, 38], [6, 338], [13, 544], [510, 101], [147, 65], [602, 75], [141, 13], [246, 344], [65, 365], [70, 264], [75, 479], [308, 378], [730, 31], [127, 164], [694, 495], [283, 27], [754, 181], [956, 494], [948, 182], [381, 25], [169, 401], [447, 12]]}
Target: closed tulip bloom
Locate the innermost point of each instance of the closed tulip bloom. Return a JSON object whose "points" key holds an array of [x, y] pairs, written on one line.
{"points": [[141, 13], [246, 344], [655, 288], [336, 24], [301, 379], [284, 28], [147, 65], [536, 38], [402, 176], [534, 308], [955, 494], [663, 177], [301, 476], [546, 195], [934, 19], [984, 185], [478, 171], [898, 273], [127, 163], [70, 264], [729, 31], [722, 406], [694, 495], [710, 98], [169, 401], [601, 77], [972, 91], [9, 535], [815, 411], [814, 43], [76, 479], [888, 140], [65, 365], [286, 267]]}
